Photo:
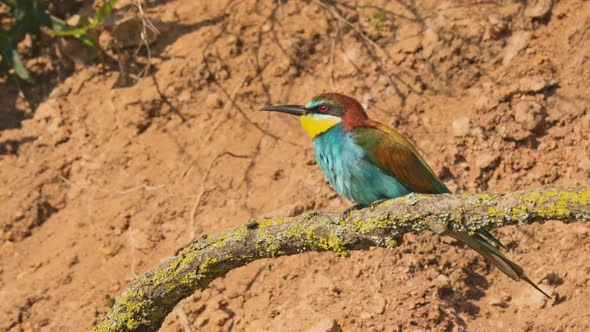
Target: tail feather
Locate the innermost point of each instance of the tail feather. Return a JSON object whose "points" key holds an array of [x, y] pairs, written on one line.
{"points": [[484, 248], [491, 238]]}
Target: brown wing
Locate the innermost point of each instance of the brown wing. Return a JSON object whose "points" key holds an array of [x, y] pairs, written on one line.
{"points": [[390, 151]]}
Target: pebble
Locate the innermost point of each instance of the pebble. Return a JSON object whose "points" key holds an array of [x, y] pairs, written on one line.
{"points": [[202, 321], [326, 325], [538, 8], [530, 115], [516, 43], [533, 84], [366, 315], [461, 126], [185, 95], [109, 248], [560, 132], [498, 302], [410, 45], [487, 160], [512, 131], [584, 164], [213, 101]]}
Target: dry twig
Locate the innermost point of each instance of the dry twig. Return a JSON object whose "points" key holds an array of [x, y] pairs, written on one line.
{"points": [[203, 192]]}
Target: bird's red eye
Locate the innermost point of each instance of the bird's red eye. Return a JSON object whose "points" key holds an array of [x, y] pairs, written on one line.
{"points": [[323, 108]]}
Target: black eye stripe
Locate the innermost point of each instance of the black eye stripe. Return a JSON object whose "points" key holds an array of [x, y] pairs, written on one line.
{"points": [[328, 109]]}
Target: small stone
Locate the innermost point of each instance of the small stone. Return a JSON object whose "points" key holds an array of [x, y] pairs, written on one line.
{"points": [[538, 8], [109, 248], [73, 261], [202, 321], [442, 279], [530, 115], [378, 304], [533, 84], [584, 164], [495, 28], [430, 42], [516, 43], [326, 325], [498, 302], [559, 132], [479, 132], [366, 316], [410, 45], [185, 95], [461, 127], [487, 160], [170, 15], [139, 239], [213, 101], [547, 146], [532, 298], [221, 317], [222, 74], [512, 131]]}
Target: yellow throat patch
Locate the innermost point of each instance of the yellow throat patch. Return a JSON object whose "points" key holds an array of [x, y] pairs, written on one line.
{"points": [[315, 124]]}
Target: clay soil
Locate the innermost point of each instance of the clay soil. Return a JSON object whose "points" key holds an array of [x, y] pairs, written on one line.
{"points": [[103, 176]]}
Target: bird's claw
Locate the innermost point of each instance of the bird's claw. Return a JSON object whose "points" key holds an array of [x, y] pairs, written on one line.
{"points": [[347, 212], [375, 203]]}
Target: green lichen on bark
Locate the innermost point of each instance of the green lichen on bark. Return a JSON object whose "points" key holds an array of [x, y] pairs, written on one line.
{"points": [[146, 302]]}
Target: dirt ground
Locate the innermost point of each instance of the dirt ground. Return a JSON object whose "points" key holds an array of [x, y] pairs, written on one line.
{"points": [[101, 180]]}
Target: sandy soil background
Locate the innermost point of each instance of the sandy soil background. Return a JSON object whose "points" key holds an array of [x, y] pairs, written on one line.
{"points": [[103, 178]]}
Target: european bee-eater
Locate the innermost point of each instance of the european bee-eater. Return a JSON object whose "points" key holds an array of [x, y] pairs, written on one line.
{"points": [[366, 161]]}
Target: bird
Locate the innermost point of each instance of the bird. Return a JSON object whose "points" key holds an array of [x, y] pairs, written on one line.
{"points": [[367, 161]]}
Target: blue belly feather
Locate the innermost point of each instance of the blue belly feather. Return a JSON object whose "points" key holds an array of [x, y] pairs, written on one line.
{"points": [[349, 173]]}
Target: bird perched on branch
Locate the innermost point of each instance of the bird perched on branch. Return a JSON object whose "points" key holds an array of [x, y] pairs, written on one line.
{"points": [[366, 161]]}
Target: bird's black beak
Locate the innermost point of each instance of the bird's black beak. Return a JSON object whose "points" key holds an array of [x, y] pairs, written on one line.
{"points": [[289, 109]]}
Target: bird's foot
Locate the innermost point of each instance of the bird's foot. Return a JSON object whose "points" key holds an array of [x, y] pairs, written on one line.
{"points": [[377, 202], [412, 199], [347, 212]]}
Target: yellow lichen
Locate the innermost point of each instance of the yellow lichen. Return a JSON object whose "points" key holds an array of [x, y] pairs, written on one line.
{"points": [[391, 244], [519, 212], [492, 212], [333, 243], [204, 266]]}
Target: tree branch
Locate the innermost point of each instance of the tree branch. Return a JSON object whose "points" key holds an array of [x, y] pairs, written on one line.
{"points": [[146, 302]]}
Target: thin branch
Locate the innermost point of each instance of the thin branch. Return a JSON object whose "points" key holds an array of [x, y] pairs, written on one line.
{"points": [[203, 191], [146, 24], [144, 305]]}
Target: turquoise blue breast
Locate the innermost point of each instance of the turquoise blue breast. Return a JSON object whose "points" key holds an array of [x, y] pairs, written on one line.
{"points": [[349, 173]]}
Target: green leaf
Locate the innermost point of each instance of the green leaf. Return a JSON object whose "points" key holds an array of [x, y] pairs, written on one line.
{"points": [[84, 22], [62, 29], [104, 11], [70, 31], [86, 40], [380, 16], [13, 60], [19, 67]]}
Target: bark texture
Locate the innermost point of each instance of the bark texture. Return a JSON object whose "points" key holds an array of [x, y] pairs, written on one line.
{"points": [[146, 302]]}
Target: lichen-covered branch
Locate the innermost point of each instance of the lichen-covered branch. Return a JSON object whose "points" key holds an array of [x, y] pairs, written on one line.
{"points": [[146, 302]]}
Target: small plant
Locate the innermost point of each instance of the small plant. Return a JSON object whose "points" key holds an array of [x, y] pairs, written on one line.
{"points": [[378, 19], [81, 31], [27, 18]]}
